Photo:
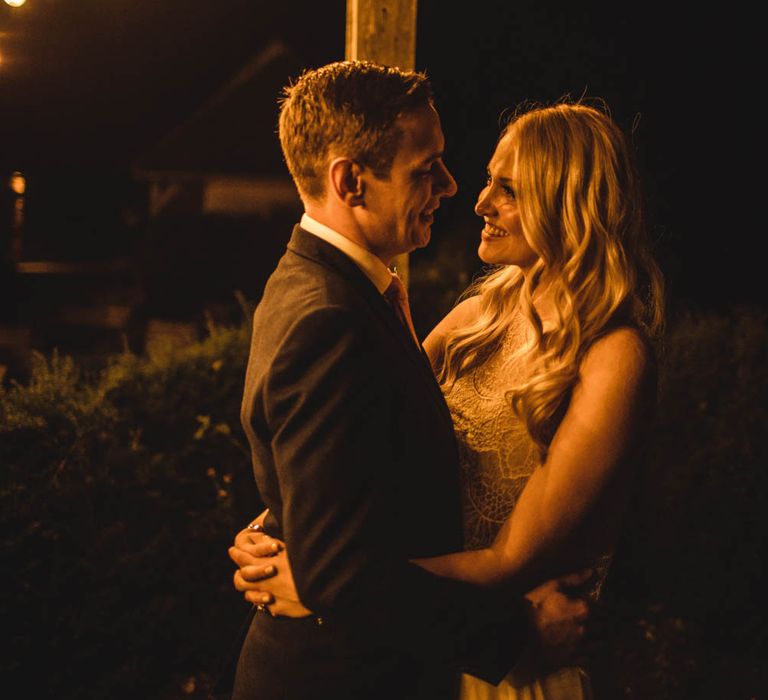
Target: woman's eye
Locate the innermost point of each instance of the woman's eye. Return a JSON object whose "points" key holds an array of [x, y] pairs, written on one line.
{"points": [[506, 189]]}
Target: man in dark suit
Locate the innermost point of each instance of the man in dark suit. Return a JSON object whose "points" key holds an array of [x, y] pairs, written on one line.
{"points": [[352, 444]]}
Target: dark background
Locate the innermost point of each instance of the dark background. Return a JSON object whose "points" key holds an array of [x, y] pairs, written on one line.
{"points": [[87, 86]]}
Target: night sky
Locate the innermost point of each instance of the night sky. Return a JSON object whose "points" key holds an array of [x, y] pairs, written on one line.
{"points": [[86, 85]]}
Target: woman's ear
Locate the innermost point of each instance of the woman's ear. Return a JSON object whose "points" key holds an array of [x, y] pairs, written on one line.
{"points": [[347, 182]]}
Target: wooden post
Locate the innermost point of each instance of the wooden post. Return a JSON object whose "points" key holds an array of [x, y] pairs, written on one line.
{"points": [[383, 31]]}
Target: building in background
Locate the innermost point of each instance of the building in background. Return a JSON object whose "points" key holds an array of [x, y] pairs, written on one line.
{"points": [[220, 203], [210, 211]]}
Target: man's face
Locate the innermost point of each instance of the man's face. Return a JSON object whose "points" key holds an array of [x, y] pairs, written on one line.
{"points": [[399, 210]]}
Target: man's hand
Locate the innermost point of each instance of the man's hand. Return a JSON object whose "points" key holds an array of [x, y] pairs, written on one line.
{"points": [[254, 549], [264, 575], [558, 620], [257, 543]]}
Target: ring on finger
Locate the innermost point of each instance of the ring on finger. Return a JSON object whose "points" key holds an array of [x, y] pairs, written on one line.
{"points": [[263, 608]]}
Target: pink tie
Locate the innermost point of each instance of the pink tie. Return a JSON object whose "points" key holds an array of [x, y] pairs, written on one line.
{"points": [[398, 299]]}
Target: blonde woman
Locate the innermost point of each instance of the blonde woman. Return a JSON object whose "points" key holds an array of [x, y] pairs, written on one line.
{"points": [[548, 370]]}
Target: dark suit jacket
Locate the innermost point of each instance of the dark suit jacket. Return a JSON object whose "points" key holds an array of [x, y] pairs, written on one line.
{"points": [[355, 457]]}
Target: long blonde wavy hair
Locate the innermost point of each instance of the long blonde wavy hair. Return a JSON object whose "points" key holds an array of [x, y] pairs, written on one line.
{"points": [[579, 199]]}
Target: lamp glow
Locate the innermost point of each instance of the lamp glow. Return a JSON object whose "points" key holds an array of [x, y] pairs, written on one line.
{"points": [[15, 3], [18, 183]]}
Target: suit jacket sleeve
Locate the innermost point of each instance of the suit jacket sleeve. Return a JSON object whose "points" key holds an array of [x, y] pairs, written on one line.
{"points": [[329, 413]]}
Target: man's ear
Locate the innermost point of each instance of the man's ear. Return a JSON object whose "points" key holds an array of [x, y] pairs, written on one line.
{"points": [[347, 182]]}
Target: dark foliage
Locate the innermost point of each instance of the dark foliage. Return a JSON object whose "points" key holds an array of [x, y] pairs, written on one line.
{"points": [[119, 498], [682, 614]]}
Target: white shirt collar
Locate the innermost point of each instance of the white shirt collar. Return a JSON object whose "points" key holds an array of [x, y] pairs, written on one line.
{"points": [[372, 266]]}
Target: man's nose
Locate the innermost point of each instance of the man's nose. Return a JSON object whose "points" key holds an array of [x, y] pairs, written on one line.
{"points": [[447, 186]]}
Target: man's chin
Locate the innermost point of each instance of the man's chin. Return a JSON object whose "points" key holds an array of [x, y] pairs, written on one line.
{"points": [[422, 237]]}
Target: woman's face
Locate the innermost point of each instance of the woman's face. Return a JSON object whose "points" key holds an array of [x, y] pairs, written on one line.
{"points": [[502, 241]]}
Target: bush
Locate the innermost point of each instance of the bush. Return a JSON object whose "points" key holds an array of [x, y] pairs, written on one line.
{"points": [[681, 616], [119, 497]]}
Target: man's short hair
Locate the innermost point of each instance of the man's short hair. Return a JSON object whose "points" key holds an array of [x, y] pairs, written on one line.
{"points": [[347, 108]]}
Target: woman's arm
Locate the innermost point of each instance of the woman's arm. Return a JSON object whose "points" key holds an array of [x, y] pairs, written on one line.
{"points": [[582, 478], [575, 498]]}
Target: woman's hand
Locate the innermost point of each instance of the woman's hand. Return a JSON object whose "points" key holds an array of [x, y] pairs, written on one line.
{"points": [[264, 574], [558, 616]]}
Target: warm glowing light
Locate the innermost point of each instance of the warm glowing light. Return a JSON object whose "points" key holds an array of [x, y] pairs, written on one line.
{"points": [[15, 3], [18, 183]]}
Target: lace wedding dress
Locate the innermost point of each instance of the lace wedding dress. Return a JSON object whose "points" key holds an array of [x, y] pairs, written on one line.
{"points": [[497, 457]]}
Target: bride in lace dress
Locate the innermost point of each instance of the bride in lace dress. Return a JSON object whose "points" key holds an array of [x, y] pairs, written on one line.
{"points": [[547, 368]]}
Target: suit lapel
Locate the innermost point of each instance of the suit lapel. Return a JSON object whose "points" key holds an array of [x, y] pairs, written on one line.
{"points": [[314, 248]]}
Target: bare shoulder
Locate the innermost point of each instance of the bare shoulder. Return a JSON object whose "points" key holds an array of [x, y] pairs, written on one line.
{"points": [[463, 314], [622, 356]]}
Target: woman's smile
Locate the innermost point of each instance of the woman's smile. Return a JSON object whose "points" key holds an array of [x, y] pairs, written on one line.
{"points": [[492, 231]]}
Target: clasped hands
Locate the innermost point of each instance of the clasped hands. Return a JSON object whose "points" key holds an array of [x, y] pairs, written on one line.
{"points": [[557, 618], [264, 575]]}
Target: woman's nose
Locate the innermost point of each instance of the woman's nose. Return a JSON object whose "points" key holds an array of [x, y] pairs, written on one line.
{"points": [[483, 205]]}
